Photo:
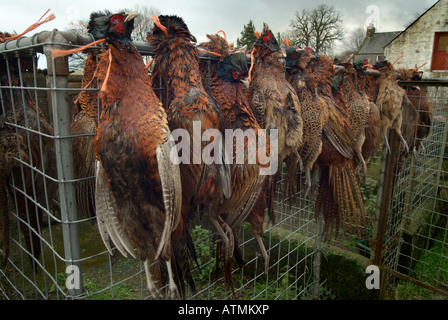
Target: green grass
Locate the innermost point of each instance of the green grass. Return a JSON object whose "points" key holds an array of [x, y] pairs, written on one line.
{"points": [[432, 269], [433, 264], [118, 292]]}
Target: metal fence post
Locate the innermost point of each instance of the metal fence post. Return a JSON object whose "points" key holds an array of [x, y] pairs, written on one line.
{"points": [[317, 253], [386, 195], [58, 69]]}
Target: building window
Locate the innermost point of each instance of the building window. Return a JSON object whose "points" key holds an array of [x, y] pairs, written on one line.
{"points": [[440, 51]]}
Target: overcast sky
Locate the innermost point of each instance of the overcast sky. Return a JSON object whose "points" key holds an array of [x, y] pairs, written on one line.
{"points": [[208, 16]]}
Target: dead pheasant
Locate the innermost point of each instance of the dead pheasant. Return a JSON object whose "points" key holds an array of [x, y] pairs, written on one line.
{"points": [[205, 184], [372, 143], [275, 104], [225, 84], [350, 93], [339, 195], [138, 190], [390, 101], [314, 110], [419, 100]]}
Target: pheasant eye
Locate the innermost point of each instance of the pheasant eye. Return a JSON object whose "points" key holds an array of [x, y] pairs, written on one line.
{"points": [[116, 23]]}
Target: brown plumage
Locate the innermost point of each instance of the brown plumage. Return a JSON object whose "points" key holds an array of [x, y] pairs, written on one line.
{"points": [[225, 79], [275, 104], [191, 108], [11, 146], [314, 110], [274, 101], [373, 138], [390, 101], [418, 99], [350, 93], [339, 195], [138, 192], [372, 143]]}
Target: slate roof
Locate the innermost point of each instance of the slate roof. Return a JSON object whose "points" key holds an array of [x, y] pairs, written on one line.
{"points": [[377, 42]]}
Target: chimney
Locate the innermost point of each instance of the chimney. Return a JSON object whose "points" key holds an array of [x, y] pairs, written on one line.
{"points": [[370, 30]]}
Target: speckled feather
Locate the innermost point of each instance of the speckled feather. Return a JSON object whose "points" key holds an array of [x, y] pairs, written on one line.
{"points": [[339, 191], [246, 179]]}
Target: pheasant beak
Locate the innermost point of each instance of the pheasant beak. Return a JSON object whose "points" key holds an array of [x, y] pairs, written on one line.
{"points": [[131, 16], [246, 83]]}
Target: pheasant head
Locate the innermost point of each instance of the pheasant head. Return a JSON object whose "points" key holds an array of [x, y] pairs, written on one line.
{"points": [[112, 27], [267, 39]]}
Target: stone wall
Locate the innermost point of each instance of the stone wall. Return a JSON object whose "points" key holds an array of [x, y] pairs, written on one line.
{"points": [[416, 43]]}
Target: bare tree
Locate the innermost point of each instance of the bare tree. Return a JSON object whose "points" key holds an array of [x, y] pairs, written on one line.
{"points": [[318, 28], [143, 23], [301, 32], [355, 40]]}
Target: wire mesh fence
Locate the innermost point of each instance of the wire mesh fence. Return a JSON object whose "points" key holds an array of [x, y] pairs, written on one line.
{"points": [[49, 237], [417, 223]]}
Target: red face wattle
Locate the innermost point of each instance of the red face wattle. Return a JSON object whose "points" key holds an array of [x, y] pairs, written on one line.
{"points": [[267, 37], [116, 23], [237, 74]]}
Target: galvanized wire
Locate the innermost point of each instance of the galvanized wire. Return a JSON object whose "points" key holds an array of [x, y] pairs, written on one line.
{"points": [[294, 242]]}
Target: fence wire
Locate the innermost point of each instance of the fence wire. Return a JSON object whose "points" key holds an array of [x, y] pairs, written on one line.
{"points": [[416, 237], [47, 233]]}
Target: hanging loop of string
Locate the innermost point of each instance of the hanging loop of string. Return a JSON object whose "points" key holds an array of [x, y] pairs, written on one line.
{"points": [[106, 78], [148, 65], [224, 34], [210, 52], [252, 58], [159, 24], [416, 68], [62, 53], [104, 86], [395, 62]]}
